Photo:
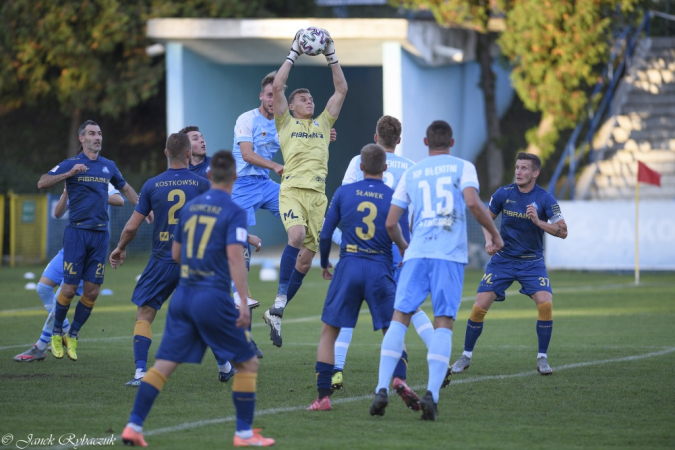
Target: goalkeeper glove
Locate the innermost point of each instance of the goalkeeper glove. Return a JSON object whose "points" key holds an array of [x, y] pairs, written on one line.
{"points": [[295, 49], [329, 53]]}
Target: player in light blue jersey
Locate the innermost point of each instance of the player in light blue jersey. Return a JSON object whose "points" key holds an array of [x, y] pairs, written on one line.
{"points": [[199, 160], [53, 277], [85, 239], [439, 189], [387, 135], [528, 211], [164, 195]]}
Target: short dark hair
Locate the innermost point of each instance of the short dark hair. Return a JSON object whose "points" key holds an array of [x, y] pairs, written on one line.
{"points": [[536, 162], [388, 131], [223, 167], [439, 134], [177, 145], [269, 79], [373, 159], [189, 128], [80, 131], [296, 92]]}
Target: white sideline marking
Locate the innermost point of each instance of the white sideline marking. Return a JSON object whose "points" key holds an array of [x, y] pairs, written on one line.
{"points": [[266, 412]]}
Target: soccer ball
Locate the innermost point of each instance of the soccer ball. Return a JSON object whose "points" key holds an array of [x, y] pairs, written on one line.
{"points": [[312, 41]]}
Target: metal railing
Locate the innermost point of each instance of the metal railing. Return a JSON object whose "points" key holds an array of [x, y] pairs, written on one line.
{"points": [[616, 66]]}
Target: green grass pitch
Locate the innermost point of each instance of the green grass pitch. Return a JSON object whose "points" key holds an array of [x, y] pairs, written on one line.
{"points": [[613, 353]]}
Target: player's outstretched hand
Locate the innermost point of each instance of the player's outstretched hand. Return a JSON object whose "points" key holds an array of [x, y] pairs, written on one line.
{"points": [[244, 319], [333, 135], [255, 241], [329, 53], [325, 273], [117, 258], [279, 169], [296, 50]]}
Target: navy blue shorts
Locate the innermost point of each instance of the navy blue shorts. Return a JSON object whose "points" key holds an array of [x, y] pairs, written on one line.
{"points": [[84, 255], [157, 283], [355, 280], [501, 272], [200, 318], [54, 272]]}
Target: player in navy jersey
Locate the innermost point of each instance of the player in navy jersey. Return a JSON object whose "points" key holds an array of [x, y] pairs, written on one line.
{"points": [[208, 246], [53, 277], [85, 239], [364, 272], [387, 135], [439, 189], [199, 164], [165, 195], [528, 211], [199, 160]]}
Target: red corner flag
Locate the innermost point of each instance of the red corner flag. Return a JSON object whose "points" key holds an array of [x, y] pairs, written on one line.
{"points": [[647, 175]]}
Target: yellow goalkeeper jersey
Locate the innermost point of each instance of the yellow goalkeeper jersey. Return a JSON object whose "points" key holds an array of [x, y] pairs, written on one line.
{"points": [[304, 145]]}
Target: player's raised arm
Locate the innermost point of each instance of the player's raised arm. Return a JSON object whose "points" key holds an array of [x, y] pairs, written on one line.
{"points": [[279, 85], [334, 104]]}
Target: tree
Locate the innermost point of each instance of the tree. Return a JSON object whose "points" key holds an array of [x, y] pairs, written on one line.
{"points": [[555, 48], [90, 55], [476, 14]]}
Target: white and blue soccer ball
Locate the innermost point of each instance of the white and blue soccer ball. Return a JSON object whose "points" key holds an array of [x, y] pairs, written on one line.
{"points": [[313, 41]]}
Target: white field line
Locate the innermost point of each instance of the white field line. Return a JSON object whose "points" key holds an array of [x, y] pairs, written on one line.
{"points": [[257, 324], [271, 411], [563, 290]]}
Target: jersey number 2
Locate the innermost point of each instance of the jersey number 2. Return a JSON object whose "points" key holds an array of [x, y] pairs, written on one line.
{"points": [[177, 206]]}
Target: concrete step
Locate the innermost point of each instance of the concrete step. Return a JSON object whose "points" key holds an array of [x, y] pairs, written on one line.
{"points": [[656, 157], [628, 192], [660, 63], [638, 97], [650, 110], [656, 76], [662, 43], [632, 145], [632, 121], [656, 89], [654, 134]]}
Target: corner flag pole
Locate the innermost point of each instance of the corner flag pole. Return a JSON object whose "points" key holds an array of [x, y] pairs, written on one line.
{"points": [[637, 242]]}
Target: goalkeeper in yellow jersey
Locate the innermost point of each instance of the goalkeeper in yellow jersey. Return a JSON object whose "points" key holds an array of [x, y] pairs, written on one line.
{"points": [[302, 197]]}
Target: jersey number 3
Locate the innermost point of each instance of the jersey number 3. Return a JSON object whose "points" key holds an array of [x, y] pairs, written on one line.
{"points": [[367, 220]]}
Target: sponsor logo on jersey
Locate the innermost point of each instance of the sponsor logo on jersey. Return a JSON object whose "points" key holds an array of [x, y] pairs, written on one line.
{"points": [[241, 234], [164, 236], [304, 135], [105, 170], [55, 168]]}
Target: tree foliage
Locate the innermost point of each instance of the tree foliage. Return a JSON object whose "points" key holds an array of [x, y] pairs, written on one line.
{"points": [[90, 54], [555, 48]]}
